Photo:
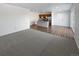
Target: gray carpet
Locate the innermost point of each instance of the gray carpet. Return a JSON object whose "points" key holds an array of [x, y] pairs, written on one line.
{"points": [[35, 43]]}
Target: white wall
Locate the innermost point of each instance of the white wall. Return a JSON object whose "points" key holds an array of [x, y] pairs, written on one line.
{"points": [[34, 17], [13, 19], [61, 18], [72, 18], [76, 23]]}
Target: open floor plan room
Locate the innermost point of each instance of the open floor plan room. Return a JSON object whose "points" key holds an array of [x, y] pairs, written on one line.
{"points": [[39, 29]]}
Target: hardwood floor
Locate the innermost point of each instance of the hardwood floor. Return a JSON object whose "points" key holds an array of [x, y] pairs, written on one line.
{"points": [[56, 30]]}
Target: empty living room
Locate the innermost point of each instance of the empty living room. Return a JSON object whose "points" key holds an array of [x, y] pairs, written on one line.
{"points": [[39, 29]]}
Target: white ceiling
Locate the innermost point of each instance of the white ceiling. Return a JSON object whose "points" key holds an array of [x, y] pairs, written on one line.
{"points": [[45, 7]]}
